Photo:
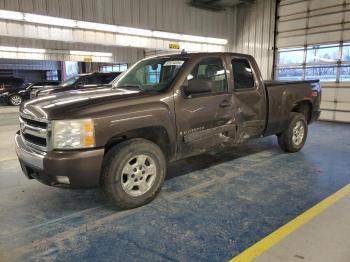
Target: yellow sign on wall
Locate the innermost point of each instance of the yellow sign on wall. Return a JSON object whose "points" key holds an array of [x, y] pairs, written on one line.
{"points": [[174, 46], [87, 59]]}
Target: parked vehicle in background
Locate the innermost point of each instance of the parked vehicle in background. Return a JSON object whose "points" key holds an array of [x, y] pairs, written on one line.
{"points": [[9, 88], [25, 93], [78, 82], [162, 109]]}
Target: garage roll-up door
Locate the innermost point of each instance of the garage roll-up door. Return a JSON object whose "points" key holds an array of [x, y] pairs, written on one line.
{"points": [[313, 42]]}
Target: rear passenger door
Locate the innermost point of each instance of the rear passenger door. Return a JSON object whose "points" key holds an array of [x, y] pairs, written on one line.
{"points": [[249, 98]]}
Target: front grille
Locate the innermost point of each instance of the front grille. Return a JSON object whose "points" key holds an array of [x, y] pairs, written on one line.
{"points": [[34, 131], [35, 140]]}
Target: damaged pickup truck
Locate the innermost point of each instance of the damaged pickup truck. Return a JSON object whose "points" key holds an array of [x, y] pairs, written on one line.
{"points": [[162, 109]]}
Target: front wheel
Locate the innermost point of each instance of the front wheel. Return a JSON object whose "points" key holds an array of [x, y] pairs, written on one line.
{"points": [[15, 100], [133, 173], [293, 138]]}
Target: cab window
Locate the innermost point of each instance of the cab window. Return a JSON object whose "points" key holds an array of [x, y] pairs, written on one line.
{"points": [[212, 72], [242, 74]]}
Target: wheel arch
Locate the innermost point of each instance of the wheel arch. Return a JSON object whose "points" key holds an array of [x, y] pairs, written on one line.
{"points": [[304, 107], [155, 134]]}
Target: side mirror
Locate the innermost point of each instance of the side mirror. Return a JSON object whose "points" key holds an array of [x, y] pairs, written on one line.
{"points": [[196, 86]]}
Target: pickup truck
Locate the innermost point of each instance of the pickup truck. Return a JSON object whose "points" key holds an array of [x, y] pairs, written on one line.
{"points": [[162, 109]]}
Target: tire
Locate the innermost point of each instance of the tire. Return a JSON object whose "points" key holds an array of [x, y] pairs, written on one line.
{"points": [[294, 137], [15, 100], [133, 173]]}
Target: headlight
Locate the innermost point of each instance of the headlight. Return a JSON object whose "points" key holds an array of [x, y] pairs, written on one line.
{"points": [[73, 134]]}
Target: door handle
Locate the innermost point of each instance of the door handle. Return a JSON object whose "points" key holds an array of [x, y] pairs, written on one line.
{"points": [[225, 103]]}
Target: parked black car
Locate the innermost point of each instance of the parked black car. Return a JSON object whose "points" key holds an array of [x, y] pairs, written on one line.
{"points": [[9, 88], [78, 82], [14, 91], [25, 93]]}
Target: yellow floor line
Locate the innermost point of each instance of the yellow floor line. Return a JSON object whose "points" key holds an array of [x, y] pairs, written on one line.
{"points": [[266, 243]]}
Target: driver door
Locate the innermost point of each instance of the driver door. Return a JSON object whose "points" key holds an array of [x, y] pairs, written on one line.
{"points": [[204, 117]]}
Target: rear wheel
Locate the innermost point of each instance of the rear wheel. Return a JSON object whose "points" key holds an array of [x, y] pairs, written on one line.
{"points": [[15, 100], [133, 173], [294, 137]]}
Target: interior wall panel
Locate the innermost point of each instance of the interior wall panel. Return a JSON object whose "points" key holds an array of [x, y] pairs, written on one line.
{"points": [[254, 33]]}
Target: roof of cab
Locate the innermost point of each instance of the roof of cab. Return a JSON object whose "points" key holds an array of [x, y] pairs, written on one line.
{"points": [[196, 54]]}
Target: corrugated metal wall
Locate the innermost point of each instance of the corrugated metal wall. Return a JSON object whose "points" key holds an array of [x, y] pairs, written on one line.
{"points": [[165, 15], [253, 32], [311, 23]]}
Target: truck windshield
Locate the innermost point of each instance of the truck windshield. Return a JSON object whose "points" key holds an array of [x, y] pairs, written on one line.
{"points": [[150, 75], [70, 81]]}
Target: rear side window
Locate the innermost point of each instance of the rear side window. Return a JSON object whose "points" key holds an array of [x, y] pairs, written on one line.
{"points": [[106, 79], [92, 80], [211, 69], [242, 74]]}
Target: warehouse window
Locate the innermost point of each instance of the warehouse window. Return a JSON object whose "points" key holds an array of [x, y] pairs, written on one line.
{"points": [[114, 68], [290, 74], [329, 63], [291, 57]]}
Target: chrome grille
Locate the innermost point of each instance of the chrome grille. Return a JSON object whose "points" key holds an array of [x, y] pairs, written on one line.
{"points": [[34, 132]]}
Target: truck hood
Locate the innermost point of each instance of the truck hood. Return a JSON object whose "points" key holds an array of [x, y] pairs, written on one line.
{"points": [[65, 104]]}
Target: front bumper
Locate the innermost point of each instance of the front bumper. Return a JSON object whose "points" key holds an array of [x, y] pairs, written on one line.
{"points": [[81, 167]]}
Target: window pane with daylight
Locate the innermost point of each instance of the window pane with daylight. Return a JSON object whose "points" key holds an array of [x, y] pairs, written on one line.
{"points": [[344, 74], [346, 53], [289, 74], [295, 56], [323, 73], [323, 54]]}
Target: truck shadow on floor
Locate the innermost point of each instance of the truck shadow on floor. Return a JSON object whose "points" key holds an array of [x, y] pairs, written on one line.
{"points": [[210, 159]]}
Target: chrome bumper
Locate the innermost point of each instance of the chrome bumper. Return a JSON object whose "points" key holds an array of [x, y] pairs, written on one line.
{"points": [[28, 155]]}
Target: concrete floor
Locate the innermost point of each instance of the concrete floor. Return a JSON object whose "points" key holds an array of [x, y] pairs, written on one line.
{"points": [[325, 238], [212, 207]]}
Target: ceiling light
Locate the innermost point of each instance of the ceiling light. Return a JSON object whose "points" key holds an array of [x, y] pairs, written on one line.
{"points": [[8, 48], [101, 54], [21, 49], [166, 35], [49, 20], [134, 31], [218, 41], [97, 26], [87, 53], [31, 50], [4, 14], [193, 38]]}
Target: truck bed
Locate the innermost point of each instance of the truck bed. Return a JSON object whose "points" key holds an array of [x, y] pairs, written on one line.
{"points": [[278, 82], [283, 96]]}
